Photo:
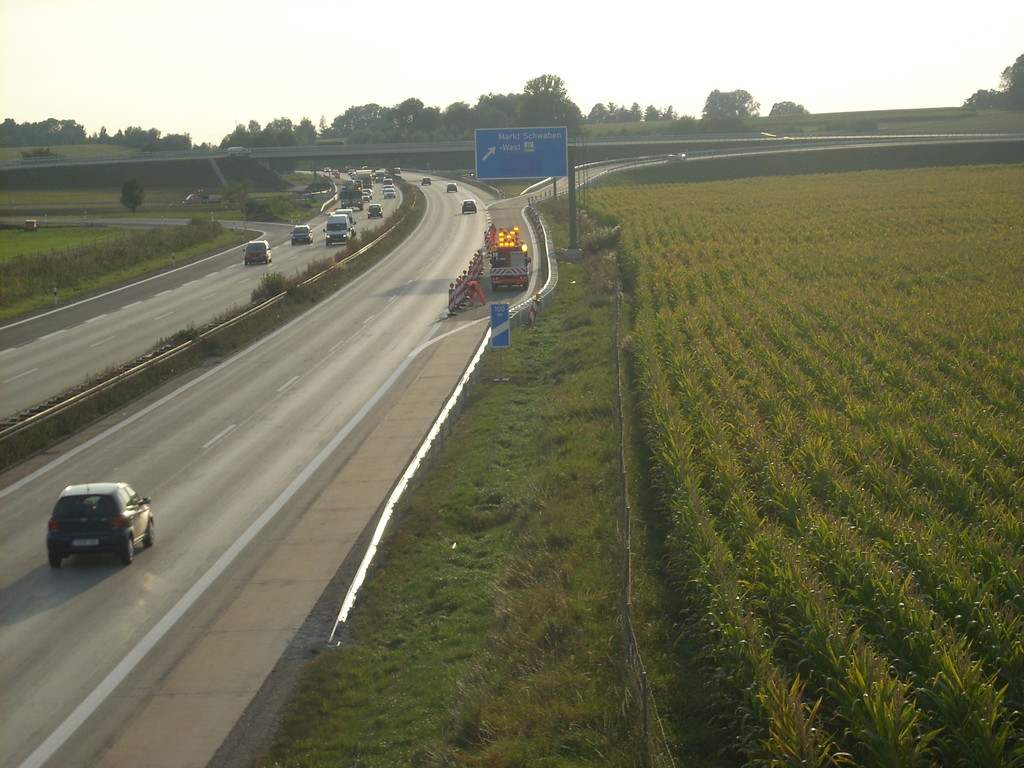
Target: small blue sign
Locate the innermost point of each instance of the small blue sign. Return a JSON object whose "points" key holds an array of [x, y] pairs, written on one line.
{"points": [[500, 326], [522, 153]]}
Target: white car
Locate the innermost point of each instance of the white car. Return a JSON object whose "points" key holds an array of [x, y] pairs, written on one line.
{"points": [[390, 193]]}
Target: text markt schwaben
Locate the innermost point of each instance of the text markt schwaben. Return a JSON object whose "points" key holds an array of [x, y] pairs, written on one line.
{"points": [[520, 136]]}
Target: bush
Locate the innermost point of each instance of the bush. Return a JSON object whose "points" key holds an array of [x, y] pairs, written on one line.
{"points": [[274, 209], [271, 285]]}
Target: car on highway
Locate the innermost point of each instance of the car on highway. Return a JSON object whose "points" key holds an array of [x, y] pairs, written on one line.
{"points": [[99, 517], [452, 187], [258, 252], [469, 206], [425, 181], [375, 211], [303, 233], [390, 193], [366, 196]]}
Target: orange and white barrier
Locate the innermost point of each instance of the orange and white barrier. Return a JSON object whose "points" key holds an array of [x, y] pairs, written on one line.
{"points": [[531, 315], [459, 296]]}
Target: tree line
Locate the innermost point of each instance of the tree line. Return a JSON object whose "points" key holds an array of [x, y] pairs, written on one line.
{"points": [[543, 101], [1010, 94]]}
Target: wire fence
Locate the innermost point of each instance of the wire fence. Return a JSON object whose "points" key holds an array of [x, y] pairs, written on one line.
{"points": [[640, 700]]}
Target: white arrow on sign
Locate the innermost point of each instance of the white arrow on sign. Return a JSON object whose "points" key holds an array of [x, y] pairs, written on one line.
{"points": [[490, 151]]}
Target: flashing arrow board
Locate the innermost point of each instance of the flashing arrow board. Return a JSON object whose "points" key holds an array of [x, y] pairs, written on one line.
{"points": [[500, 326], [522, 153]]}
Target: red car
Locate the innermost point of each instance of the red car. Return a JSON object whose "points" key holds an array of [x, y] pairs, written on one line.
{"points": [[258, 252]]}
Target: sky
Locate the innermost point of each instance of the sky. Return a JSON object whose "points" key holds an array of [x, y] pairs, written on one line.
{"points": [[200, 67]]}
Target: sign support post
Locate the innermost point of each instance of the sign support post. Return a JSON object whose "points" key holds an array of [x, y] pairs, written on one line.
{"points": [[501, 334]]}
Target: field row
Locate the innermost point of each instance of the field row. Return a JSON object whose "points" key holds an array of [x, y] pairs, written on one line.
{"points": [[833, 383]]}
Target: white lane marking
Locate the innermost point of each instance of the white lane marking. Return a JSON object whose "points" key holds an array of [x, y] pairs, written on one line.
{"points": [[134, 657], [223, 433], [19, 376]]}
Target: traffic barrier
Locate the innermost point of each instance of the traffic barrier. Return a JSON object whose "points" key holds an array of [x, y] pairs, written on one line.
{"points": [[531, 315], [458, 292]]}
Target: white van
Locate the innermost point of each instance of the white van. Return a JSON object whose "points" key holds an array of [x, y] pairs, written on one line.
{"points": [[347, 212], [339, 228]]}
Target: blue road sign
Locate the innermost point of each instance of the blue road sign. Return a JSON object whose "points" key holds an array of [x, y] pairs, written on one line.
{"points": [[500, 326], [522, 153]]}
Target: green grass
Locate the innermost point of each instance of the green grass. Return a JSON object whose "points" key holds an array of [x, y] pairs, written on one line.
{"points": [[79, 261], [8, 154], [16, 243], [490, 634], [49, 206]]}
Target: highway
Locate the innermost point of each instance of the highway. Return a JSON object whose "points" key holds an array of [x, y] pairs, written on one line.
{"points": [[50, 352], [264, 469]]}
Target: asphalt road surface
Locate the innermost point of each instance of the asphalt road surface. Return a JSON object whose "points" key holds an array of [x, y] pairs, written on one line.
{"points": [[265, 469]]}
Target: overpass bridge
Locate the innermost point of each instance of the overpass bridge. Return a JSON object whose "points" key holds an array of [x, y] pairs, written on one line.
{"points": [[435, 154]]}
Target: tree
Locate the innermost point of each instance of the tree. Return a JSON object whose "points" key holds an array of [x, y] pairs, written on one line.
{"points": [[237, 138], [237, 193], [132, 194], [175, 141], [41, 152], [368, 117], [787, 109], [730, 104], [47, 132], [986, 99], [404, 115], [546, 102], [459, 118], [305, 132], [1012, 82], [135, 136], [598, 114], [497, 110], [1010, 94]]}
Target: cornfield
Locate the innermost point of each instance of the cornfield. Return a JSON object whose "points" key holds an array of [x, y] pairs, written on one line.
{"points": [[831, 372]]}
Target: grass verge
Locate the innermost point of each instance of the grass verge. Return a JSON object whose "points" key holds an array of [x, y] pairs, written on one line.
{"points": [[491, 633], [32, 280]]}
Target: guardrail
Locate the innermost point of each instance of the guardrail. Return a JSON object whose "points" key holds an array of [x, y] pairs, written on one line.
{"points": [[68, 400]]}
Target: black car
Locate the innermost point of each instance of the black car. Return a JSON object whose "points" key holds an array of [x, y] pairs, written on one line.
{"points": [[303, 233], [451, 187], [99, 517], [374, 211], [469, 206]]}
